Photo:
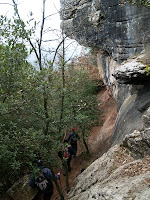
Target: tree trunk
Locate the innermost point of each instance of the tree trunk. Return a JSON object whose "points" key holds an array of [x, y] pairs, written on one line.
{"points": [[67, 176], [46, 112], [63, 82], [84, 142], [56, 183]]}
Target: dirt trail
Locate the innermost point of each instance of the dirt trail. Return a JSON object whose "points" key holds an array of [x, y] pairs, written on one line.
{"points": [[99, 140]]}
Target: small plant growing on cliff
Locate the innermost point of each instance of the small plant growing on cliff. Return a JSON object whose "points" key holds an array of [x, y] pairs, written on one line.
{"points": [[137, 2], [146, 60], [147, 68]]}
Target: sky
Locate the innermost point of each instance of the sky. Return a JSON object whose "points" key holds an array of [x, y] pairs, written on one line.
{"points": [[25, 6], [52, 10]]}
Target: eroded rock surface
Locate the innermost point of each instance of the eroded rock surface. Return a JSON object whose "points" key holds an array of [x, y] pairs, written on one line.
{"points": [[108, 25], [21, 190], [117, 31], [139, 141], [116, 175]]}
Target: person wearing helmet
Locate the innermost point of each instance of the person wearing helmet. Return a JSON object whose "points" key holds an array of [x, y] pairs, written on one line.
{"points": [[73, 138]]}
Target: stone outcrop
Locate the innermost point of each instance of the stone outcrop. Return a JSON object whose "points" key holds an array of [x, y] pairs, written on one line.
{"points": [[109, 26], [119, 33], [116, 175], [139, 141], [131, 72], [21, 190]]}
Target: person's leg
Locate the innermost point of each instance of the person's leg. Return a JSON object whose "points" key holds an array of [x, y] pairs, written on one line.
{"points": [[74, 146], [47, 196], [64, 169], [39, 196], [68, 164]]}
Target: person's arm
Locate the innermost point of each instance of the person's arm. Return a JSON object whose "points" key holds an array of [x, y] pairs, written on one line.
{"points": [[49, 174], [32, 181], [57, 176]]}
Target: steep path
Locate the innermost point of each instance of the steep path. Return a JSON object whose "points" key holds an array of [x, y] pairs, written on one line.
{"points": [[99, 140]]}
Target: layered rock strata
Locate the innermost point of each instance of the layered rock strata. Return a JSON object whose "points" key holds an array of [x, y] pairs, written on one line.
{"points": [[110, 26], [117, 31]]}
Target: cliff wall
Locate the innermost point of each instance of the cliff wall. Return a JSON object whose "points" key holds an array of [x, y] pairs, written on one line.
{"points": [[118, 30], [119, 33]]}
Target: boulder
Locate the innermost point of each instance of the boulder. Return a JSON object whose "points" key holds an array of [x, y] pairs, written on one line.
{"points": [[138, 142], [132, 72], [114, 176], [21, 190]]}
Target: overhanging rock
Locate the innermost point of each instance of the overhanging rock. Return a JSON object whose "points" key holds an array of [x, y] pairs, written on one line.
{"points": [[107, 25]]}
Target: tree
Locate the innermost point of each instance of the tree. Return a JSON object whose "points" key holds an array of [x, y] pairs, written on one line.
{"points": [[36, 104], [30, 99]]}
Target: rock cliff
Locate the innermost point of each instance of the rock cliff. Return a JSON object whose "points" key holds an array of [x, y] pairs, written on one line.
{"points": [[117, 31], [120, 33], [108, 25], [122, 173]]}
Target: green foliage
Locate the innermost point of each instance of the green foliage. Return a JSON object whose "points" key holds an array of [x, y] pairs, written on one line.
{"points": [[146, 60], [22, 136], [147, 69], [30, 105], [22, 140], [80, 100]]}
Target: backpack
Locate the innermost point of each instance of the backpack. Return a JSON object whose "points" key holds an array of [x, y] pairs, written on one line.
{"points": [[73, 139], [66, 153], [42, 181]]}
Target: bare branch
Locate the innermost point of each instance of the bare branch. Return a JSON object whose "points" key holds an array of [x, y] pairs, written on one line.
{"points": [[58, 49], [7, 4]]}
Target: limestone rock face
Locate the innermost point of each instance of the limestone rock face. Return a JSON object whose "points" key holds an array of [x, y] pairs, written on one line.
{"points": [[21, 190], [131, 72], [109, 26], [121, 173], [118, 31], [131, 113], [114, 176], [139, 141]]}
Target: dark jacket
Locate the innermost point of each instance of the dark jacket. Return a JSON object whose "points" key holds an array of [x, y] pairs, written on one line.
{"points": [[73, 137], [47, 173]]}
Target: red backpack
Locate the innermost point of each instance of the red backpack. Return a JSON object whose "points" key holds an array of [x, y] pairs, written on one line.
{"points": [[66, 153]]}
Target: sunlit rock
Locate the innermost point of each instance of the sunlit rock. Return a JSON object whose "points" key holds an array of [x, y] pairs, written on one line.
{"points": [[114, 176]]}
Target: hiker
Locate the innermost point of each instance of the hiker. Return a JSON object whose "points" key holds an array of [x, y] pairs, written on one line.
{"points": [[73, 138], [43, 181], [66, 154]]}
